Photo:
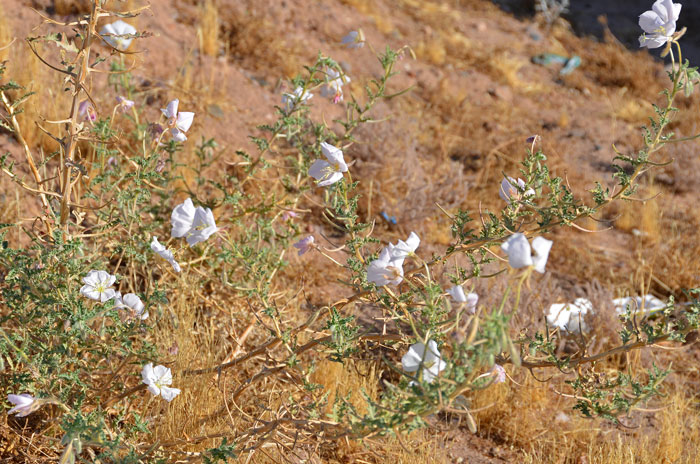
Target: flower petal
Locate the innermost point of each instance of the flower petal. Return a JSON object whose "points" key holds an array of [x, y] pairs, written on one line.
{"points": [[518, 250], [170, 111], [541, 246], [169, 393], [184, 120]]}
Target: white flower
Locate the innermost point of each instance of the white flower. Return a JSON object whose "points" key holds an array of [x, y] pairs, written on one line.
{"points": [[164, 253], [98, 286], [118, 31], [541, 247], [569, 317], [429, 360], [195, 224], [384, 271], [179, 123], [638, 304], [520, 255], [499, 374], [290, 100], [511, 190], [132, 302], [518, 250], [333, 88], [402, 250], [457, 294], [659, 23], [203, 226], [305, 244], [182, 218], [25, 404], [331, 171], [354, 39], [158, 379]]}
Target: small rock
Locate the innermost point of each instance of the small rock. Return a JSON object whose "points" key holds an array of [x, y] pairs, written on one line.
{"points": [[502, 92]]}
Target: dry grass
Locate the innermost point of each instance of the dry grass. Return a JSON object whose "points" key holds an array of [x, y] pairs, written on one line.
{"points": [[49, 101], [5, 36], [208, 28], [68, 7]]}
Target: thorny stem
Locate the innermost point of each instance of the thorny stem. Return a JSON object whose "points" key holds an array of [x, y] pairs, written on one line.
{"points": [[74, 127]]}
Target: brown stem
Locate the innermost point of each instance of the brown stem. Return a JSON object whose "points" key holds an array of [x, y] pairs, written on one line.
{"points": [[74, 127]]}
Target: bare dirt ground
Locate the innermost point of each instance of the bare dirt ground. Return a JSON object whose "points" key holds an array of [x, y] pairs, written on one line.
{"points": [[476, 96]]}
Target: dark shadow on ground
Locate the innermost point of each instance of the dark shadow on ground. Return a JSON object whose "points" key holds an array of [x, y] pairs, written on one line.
{"points": [[622, 19]]}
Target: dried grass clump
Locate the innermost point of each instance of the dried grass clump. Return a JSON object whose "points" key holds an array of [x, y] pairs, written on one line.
{"points": [[5, 36], [49, 102], [69, 7], [255, 40], [208, 28]]}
